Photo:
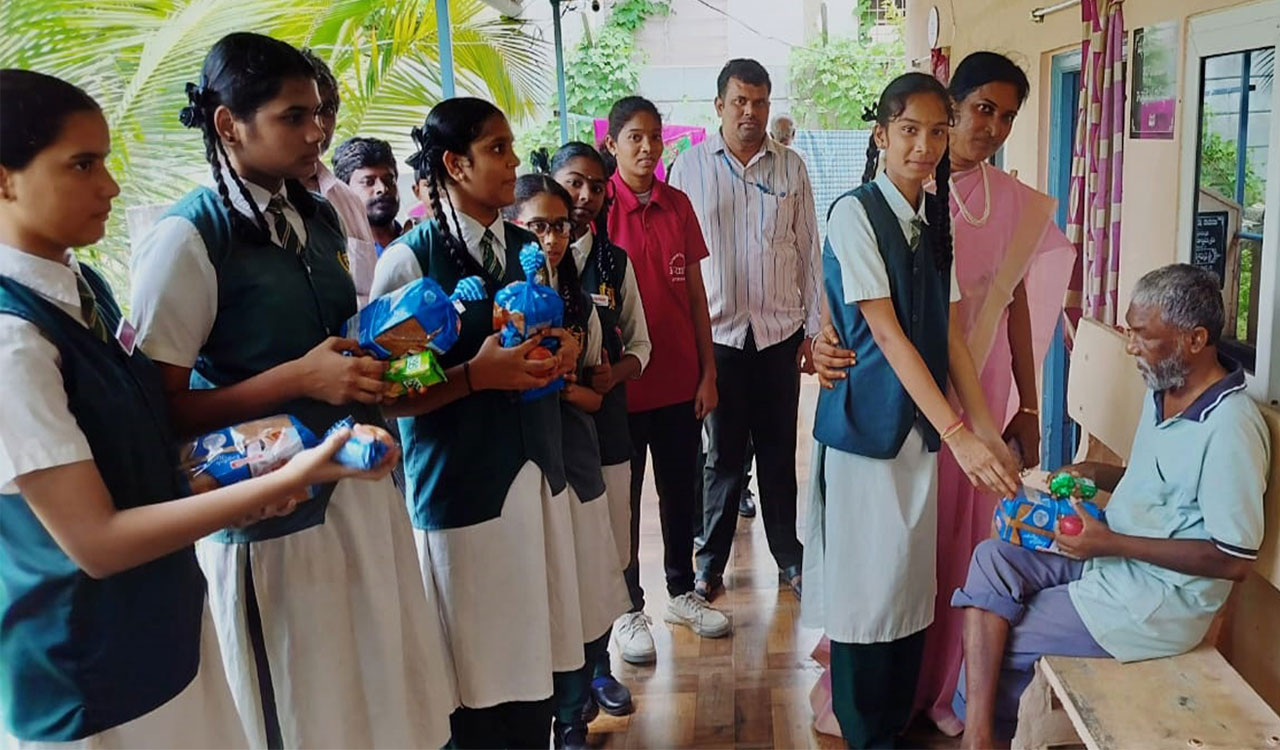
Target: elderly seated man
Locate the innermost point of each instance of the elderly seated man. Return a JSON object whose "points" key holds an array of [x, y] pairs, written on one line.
{"points": [[1184, 521]]}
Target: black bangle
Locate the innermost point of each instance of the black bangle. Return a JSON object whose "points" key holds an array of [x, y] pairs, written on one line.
{"points": [[466, 375]]}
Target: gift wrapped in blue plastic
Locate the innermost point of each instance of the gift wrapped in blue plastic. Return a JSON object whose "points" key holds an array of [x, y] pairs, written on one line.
{"points": [[251, 449], [363, 450], [1032, 519], [523, 308], [413, 318]]}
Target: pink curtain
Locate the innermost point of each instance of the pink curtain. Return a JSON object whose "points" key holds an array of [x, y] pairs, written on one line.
{"points": [[1097, 165]]}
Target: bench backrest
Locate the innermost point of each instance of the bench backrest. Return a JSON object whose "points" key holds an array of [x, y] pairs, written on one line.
{"points": [[1105, 390]]}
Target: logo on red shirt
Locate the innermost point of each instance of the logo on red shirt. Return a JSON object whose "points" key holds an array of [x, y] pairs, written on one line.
{"points": [[675, 268]]}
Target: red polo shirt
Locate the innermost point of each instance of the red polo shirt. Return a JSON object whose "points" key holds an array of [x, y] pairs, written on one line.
{"points": [[661, 238]]}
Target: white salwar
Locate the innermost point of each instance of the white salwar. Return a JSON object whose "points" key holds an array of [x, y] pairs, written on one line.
{"points": [[356, 652], [509, 594], [203, 715]]}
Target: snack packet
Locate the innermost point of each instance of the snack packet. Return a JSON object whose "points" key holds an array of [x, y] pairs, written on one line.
{"points": [[363, 450], [523, 308], [411, 319], [413, 374], [250, 449], [1032, 519]]}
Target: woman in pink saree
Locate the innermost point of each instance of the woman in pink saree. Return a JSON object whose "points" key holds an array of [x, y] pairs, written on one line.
{"points": [[1013, 265]]}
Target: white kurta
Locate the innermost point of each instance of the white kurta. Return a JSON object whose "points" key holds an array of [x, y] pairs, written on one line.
{"points": [[617, 487], [509, 593], [357, 653], [203, 715], [871, 545]]}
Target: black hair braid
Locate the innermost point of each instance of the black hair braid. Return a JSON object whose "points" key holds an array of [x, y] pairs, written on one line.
{"points": [[452, 243], [256, 229], [938, 211], [606, 259], [873, 160], [873, 151], [569, 285]]}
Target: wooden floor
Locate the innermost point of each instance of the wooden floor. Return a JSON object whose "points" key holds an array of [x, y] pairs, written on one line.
{"points": [[748, 690]]}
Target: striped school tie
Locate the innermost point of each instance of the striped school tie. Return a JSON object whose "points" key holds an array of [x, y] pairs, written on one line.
{"points": [[917, 229], [89, 310], [488, 257], [289, 239]]}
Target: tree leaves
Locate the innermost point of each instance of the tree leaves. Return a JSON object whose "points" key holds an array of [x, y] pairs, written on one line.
{"points": [[135, 56]]}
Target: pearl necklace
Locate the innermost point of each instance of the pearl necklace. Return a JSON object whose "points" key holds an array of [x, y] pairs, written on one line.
{"points": [[986, 191]]}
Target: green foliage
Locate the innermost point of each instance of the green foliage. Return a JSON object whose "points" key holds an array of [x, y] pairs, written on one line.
{"points": [[1218, 168], [831, 85], [598, 72], [134, 57]]}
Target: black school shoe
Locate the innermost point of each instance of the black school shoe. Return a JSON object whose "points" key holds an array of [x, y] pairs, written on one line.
{"points": [[611, 696], [747, 505], [569, 736]]}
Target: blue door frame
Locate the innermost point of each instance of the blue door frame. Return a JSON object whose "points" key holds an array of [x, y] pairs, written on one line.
{"points": [[1061, 434]]}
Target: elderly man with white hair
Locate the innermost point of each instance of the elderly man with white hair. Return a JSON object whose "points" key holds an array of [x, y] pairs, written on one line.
{"points": [[1184, 522]]}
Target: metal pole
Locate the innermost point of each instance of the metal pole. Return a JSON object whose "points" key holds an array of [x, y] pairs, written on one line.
{"points": [[444, 29], [1038, 14], [564, 97]]}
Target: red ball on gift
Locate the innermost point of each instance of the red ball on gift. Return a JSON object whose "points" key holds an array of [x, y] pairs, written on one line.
{"points": [[1070, 525]]}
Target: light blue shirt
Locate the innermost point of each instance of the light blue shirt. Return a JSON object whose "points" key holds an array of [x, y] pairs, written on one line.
{"points": [[1200, 474]]}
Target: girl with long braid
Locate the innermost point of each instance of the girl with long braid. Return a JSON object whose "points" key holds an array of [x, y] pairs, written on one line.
{"points": [[542, 207], [327, 636], [485, 469], [890, 288]]}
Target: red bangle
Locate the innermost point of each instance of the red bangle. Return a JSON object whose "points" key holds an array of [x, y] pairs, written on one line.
{"points": [[950, 432]]}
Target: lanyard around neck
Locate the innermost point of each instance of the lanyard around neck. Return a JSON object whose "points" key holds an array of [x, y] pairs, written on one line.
{"points": [[745, 181]]}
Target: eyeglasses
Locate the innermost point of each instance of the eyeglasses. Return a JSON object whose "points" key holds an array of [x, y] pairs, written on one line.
{"points": [[548, 226]]}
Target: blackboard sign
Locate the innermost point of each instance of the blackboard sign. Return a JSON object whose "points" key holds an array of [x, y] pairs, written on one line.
{"points": [[1210, 245]]}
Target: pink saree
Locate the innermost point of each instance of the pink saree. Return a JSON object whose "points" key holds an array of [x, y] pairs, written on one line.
{"points": [[1018, 243]]}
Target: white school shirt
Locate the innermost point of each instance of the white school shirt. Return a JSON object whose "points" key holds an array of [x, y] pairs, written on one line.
{"points": [[399, 266], [853, 241], [764, 271], [37, 429], [635, 330], [175, 287]]}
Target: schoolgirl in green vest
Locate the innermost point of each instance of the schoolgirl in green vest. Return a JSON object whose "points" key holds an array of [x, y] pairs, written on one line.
{"points": [[327, 635], [542, 207], [105, 639], [610, 283], [890, 287], [484, 468]]}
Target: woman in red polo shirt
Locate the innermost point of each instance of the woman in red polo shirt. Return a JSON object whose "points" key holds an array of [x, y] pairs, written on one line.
{"points": [[656, 225]]}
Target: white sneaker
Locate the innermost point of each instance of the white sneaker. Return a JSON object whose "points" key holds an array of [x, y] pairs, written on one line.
{"points": [[702, 618], [634, 639]]}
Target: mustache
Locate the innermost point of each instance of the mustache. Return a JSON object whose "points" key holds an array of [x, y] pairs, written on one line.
{"points": [[384, 201]]}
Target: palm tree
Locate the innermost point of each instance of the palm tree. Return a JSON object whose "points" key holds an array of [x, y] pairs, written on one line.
{"points": [[135, 57]]}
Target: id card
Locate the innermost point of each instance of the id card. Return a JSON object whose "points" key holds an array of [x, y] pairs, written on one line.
{"points": [[126, 336]]}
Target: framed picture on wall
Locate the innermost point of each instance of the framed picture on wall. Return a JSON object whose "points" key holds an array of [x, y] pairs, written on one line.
{"points": [[1154, 97]]}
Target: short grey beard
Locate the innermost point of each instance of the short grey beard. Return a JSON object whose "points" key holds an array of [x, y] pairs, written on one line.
{"points": [[1168, 374]]}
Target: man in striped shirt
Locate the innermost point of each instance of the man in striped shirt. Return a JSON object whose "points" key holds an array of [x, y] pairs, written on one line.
{"points": [[763, 276]]}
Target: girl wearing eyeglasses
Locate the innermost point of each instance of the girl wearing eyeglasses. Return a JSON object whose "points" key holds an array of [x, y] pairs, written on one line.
{"points": [[542, 206]]}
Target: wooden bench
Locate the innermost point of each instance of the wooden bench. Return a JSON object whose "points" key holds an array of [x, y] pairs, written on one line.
{"points": [[1194, 700]]}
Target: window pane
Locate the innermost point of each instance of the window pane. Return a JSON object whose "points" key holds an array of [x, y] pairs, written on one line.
{"points": [[1234, 126]]}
